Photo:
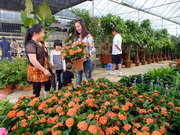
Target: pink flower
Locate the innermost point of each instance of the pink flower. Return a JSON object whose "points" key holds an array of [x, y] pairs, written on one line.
{"points": [[1, 96], [3, 131]]}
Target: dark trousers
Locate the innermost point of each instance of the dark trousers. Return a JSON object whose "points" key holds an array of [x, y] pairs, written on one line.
{"points": [[59, 79], [6, 53], [37, 87]]}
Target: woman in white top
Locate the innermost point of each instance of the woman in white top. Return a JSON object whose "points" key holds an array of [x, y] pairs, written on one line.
{"points": [[83, 35]]}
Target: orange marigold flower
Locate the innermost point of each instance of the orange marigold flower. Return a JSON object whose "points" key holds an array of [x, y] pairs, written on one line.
{"points": [[103, 120], [69, 122], [71, 112], [77, 100], [111, 114], [163, 109], [107, 103], [146, 133], [125, 107], [122, 117], [149, 121], [127, 127], [30, 117], [11, 114], [150, 110], [20, 113], [110, 131], [24, 125], [77, 107], [14, 127], [90, 116], [71, 104], [116, 107], [164, 113], [122, 134], [167, 124], [16, 106], [42, 120], [32, 96], [129, 104], [135, 92], [145, 128], [155, 91], [139, 133], [162, 129], [40, 133], [156, 108], [135, 130], [177, 108], [137, 125], [156, 133], [171, 103], [42, 106], [82, 126], [93, 129], [32, 103], [59, 109], [142, 111]]}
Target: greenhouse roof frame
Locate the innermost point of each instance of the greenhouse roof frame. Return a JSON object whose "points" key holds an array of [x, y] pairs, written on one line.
{"points": [[162, 13]]}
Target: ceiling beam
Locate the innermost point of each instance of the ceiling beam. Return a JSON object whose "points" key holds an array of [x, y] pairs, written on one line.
{"points": [[127, 5]]}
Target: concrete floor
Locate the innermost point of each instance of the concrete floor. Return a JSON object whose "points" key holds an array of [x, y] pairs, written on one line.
{"points": [[101, 72]]}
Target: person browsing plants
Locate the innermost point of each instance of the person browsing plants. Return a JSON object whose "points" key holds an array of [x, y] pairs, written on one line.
{"points": [[116, 51], [58, 62], [83, 35], [38, 64]]}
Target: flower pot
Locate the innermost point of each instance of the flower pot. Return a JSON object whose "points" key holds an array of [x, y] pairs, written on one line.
{"points": [[137, 63], [17, 86], [164, 58], [128, 64], [160, 59], [148, 61], [105, 59], [152, 61], [157, 60], [6, 91], [78, 64], [143, 62], [27, 88], [168, 58]]}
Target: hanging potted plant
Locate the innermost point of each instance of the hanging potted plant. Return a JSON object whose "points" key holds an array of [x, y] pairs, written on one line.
{"points": [[76, 54]]}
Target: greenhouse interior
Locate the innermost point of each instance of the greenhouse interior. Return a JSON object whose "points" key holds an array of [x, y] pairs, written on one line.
{"points": [[90, 67]]}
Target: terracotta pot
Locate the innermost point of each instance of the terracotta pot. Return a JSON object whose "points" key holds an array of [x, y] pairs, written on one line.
{"points": [[78, 64], [157, 60], [152, 61], [27, 88], [143, 62], [168, 58], [160, 59], [148, 61], [105, 59], [17, 86], [164, 58], [137, 63], [6, 91], [128, 64]]}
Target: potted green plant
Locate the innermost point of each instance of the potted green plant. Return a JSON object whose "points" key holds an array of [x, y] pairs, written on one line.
{"points": [[26, 86]]}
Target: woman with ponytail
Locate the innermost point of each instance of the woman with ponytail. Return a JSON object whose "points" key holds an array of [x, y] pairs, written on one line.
{"points": [[38, 64]]}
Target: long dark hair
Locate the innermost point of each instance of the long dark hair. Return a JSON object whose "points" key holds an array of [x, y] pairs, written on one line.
{"points": [[84, 31], [35, 28]]}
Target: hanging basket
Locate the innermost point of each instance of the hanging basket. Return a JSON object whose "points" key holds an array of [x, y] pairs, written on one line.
{"points": [[78, 64]]}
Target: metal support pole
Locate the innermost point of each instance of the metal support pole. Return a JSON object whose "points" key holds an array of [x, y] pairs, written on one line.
{"points": [[138, 16], [92, 8], [177, 30]]}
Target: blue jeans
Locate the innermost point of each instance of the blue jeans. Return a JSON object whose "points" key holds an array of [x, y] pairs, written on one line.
{"points": [[58, 75], [87, 71], [6, 53]]}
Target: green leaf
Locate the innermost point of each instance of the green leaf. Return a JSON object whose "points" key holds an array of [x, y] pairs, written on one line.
{"points": [[29, 7], [23, 15], [29, 22]]}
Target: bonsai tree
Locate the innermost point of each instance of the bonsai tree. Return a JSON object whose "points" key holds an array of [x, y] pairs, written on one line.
{"points": [[42, 15]]}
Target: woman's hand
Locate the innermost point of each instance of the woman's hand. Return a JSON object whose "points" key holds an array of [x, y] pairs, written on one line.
{"points": [[46, 72]]}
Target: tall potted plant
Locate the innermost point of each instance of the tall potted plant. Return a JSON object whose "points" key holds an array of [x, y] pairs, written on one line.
{"points": [[42, 15]]}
